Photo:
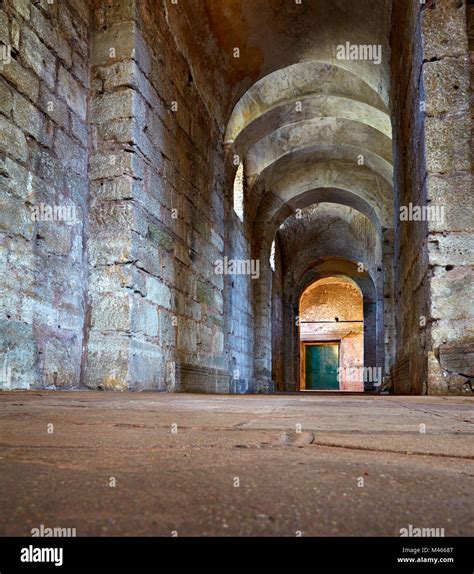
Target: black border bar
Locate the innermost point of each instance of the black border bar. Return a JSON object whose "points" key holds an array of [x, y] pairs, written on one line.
{"points": [[291, 554]]}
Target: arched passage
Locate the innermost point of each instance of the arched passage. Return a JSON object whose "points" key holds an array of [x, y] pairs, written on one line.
{"points": [[313, 134], [295, 285], [331, 335]]}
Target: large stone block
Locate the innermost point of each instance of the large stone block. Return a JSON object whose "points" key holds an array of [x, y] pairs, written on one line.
{"points": [[446, 86], [146, 366], [447, 330], [53, 107], [187, 336], [115, 164], [56, 237], [120, 218], [458, 358], [144, 317], [452, 293], [158, 292], [22, 7], [31, 121], [118, 131], [114, 105], [111, 312], [16, 217], [160, 238], [73, 92], [447, 142], [51, 36], [168, 328], [113, 44], [108, 249], [6, 98], [60, 361], [444, 30], [36, 56], [114, 278], [118, 74], [24, 81], [198, 379], [12, 140], [107, 365], [449, 250], [437, 384], [79, 128], [47, 167], [119, 363], [72, 156], [17, 355], [75, 31], [453, 192], [17, 181]]}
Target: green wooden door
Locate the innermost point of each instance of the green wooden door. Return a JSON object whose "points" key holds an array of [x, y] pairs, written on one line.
{"points": [[321, 364]]}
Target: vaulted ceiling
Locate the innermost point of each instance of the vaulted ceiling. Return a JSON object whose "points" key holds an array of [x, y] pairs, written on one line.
{"points": [[309, 126]]}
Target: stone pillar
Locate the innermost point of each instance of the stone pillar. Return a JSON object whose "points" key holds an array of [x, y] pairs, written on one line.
{"points": [[126, 293], [156, 211], [371, 336], [388, 300], [262, 290], [291, 334]]}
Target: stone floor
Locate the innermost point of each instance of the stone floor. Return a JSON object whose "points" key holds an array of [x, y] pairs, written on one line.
{"points": [[360, 466]]}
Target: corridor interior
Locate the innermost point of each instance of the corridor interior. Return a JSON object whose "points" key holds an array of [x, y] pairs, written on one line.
{"points": [[267, 196]]}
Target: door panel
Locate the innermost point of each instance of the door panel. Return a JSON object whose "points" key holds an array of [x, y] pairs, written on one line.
{"points": [[321, 364]]}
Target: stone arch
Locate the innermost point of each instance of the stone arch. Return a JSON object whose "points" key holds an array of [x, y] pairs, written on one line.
{"points": [[264, 232], [331, 309], [340, 138], [295, 82], [321, 268], [307, 109]]}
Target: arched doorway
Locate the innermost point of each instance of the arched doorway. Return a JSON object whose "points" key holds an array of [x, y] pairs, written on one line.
{"points": [[331, 336]]}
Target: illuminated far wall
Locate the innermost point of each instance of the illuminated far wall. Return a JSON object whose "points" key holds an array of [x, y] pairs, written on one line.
{"points": [[338, 302]]}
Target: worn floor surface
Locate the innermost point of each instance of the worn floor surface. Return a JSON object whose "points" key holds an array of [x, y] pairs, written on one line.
{"points": [[361, 465]]}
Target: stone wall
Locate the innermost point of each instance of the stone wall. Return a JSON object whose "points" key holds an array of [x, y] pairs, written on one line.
{"points": [[44, 79], [101, 112], [430, 106], [448, 141]]}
